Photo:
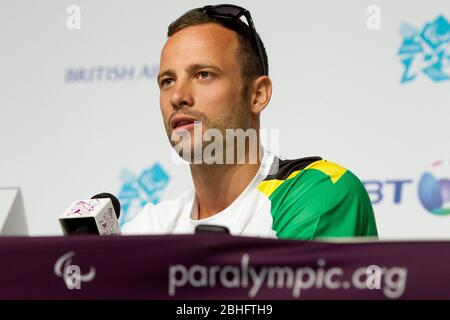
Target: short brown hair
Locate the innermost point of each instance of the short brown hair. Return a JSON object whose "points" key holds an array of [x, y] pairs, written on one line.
{"points": [[248, 51]]}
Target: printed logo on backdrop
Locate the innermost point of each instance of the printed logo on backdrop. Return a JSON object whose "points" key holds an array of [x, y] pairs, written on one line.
{"points": [[138, 190], [113, 73], [433, 189], [71, 273], [426, 51]]}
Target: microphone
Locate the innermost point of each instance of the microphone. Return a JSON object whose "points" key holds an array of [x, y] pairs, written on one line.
{"points": [[98, 215], [210, 228]]}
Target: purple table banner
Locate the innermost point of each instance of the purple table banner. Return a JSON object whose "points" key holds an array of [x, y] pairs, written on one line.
{"points": [[210, 266]]}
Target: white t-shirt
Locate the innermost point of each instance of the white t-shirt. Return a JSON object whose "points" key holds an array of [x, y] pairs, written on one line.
{"points": [[248, 215]]}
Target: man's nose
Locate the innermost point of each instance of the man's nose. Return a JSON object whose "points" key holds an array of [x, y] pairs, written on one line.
{"points": [[181, 96]]}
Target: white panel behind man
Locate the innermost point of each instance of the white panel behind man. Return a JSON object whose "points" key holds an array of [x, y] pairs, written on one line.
{"points": [[12, 213]]}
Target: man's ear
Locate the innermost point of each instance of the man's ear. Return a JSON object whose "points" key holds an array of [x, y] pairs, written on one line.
{"points": [[261, 93]]}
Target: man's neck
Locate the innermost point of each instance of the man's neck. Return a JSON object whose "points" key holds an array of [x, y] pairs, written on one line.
{"points": [[218, 185]]}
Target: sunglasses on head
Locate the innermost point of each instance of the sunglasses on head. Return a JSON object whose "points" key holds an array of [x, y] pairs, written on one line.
{"points": [[232, 12]]}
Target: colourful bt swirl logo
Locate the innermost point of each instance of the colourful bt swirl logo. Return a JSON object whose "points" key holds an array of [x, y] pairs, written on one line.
{"points": [[434, 191]]}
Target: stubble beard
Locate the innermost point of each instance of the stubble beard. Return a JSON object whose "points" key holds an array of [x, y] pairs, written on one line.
{"points": [[233, 117]]}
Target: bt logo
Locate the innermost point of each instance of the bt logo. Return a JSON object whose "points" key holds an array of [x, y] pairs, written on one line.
{"points": [[433, 189], [377, 189]]}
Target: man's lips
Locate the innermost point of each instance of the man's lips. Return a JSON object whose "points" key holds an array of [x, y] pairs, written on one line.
{"points": [[182, 121]]}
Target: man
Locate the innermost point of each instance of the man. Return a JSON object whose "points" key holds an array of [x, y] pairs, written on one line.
{"points": [[214, 74]]}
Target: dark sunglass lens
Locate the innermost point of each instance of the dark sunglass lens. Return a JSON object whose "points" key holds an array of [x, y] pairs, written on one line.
{"points": [[226, 11]]}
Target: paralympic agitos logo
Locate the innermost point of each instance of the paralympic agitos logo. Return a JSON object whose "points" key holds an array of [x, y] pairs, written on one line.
{"points": [[433, 188], [71, 273]]}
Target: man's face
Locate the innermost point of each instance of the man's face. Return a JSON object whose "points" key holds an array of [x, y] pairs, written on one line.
{"points": [[200, 79]]}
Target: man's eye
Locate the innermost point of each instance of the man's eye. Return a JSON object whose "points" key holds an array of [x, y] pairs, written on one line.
{"points": [[204, 75], [166, 82]]}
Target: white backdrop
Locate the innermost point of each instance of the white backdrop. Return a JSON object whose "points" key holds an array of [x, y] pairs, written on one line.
{"points": [[80, 110]]}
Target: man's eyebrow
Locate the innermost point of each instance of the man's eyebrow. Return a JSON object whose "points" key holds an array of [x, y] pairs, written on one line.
{"points": [[197, 66], [169, 73], [190, 69]]}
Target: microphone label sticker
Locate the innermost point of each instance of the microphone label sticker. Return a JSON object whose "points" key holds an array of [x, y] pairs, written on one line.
{"points": [[71, 273], [108, 224], [83, 207]]}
